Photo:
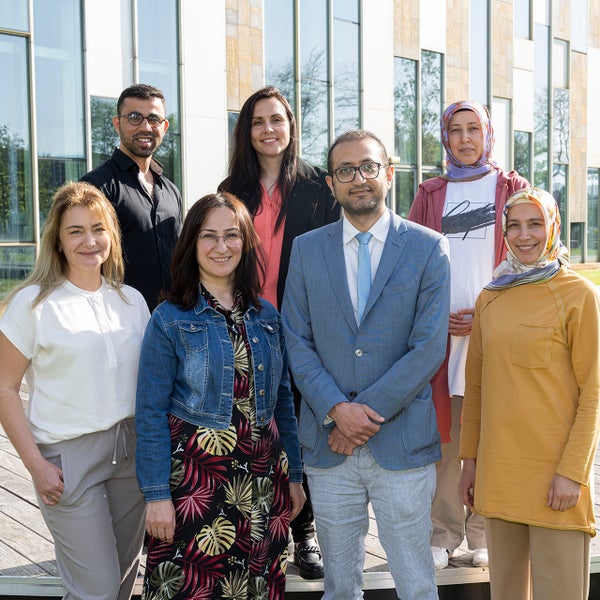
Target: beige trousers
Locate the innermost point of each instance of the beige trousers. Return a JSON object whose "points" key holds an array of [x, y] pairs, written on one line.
{"points": [[450, 519], [537, 563]]}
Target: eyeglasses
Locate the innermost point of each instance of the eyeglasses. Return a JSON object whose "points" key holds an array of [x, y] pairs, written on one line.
{"points": [[231, 238], [368, 170], [135, 118]]}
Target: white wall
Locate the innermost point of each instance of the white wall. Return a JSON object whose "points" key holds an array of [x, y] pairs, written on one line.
{"points": [[108, 47], [593, 124], [377, 28], [204, 97]]}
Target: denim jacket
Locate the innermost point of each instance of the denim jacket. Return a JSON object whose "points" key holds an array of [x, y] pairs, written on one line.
{"points": [[187, 370]]}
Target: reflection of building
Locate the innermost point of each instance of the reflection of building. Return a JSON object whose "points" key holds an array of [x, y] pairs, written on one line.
{"points": [[388, 65]]}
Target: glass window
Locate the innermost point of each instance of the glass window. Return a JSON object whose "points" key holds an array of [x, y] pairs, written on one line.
{"points": [[431, 107], [560, 191], [59, 95], [14, 15], [314, 108], [346, 91], [560, 138], [159, 66], [279, 47], [16, 197], [325, 95], [16, 262], [405, 188], [405, 110], [593, 215], [232, 119], [478, 69], [104, 136], [522, 154], [346, 9], [541, 138], [522, 18], [576, 243]]}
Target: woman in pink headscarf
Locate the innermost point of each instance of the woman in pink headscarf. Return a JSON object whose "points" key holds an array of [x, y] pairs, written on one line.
{"points": [[465, 204], [531, 411]]}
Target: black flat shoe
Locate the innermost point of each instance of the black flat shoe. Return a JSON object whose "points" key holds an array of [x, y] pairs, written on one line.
{"points": [[307, 557]]}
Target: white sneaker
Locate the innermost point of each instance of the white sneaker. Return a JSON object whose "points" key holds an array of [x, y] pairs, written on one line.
{"points": [[480, 557], [440, 557]]}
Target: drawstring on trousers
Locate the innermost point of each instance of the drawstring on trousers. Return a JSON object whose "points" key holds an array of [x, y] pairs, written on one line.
{"points": [[122, 429]]}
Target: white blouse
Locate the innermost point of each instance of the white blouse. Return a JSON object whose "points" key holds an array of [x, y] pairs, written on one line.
{"points": [[84, 350]]}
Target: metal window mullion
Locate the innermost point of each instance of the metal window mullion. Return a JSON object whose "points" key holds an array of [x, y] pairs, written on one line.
{"points": [[297, 75], [330, 74], [35, 180], [134, 41], [419, 110]]}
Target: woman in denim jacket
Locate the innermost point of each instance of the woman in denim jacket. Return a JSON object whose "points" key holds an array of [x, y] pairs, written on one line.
{"points": [[218, 458]]}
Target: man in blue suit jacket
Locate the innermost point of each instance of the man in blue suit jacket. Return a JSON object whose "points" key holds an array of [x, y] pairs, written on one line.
{"points": [[367, 423]]}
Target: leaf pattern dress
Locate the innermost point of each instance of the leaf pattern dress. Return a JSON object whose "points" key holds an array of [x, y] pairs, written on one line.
{"points": [[230, 490]]}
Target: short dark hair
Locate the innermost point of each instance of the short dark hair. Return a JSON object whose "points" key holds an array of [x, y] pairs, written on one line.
{"points": [[143, 91], [355, 135], [185, 275]]}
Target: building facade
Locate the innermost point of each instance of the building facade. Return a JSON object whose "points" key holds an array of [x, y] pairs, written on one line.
{"points": [[390, 66]]}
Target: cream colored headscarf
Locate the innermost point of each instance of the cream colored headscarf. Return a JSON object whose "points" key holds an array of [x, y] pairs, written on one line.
{"points": [[511, 272]]}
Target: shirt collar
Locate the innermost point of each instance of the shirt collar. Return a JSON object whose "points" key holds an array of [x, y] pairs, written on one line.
{"points": [[126, 162], [379, 229]]}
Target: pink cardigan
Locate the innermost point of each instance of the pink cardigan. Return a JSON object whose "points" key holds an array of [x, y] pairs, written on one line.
{"points": [[427, 209]]}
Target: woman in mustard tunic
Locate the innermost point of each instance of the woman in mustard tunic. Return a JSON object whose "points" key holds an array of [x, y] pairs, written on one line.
{"points": [[531, 410]]}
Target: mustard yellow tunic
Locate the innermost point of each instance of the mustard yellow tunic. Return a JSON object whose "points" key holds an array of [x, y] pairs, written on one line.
{"points": [[532, 402]]}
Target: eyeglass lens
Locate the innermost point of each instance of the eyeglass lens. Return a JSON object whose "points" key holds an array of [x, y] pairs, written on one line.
{"points": [[367, 170], [136, 118]]}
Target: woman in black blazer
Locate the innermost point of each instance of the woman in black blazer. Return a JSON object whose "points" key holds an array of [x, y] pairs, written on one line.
{"points": [[286, 197]]}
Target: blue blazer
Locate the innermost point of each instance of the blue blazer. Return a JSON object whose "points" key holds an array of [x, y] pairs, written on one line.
{"points": [[388, 360]]}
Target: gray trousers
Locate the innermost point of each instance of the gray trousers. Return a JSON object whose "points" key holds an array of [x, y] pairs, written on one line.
{"points": [[98, 525]]}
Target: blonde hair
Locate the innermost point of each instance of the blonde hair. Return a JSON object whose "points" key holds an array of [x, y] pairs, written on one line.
{"points": [[50, 269]]}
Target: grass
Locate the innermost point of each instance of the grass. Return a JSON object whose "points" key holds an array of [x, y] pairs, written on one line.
{"points": [[592, 274]]}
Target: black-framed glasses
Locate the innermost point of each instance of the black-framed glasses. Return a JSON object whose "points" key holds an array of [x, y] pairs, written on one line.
{"points": [[368, 170], [136, 118]]}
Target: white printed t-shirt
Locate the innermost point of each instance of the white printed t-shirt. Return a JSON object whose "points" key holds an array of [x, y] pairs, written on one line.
{"points": [[84, 349], [468, 224]]}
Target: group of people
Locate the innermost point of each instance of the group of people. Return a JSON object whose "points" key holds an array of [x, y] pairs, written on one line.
{"points": [[292, 351]]}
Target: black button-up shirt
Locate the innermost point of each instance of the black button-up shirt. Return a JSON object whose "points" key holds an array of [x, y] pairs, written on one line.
{"points": [[149, 228]]}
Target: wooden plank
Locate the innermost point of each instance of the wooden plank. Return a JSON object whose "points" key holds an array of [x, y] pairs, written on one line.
{"points": [[33, 547], [6, 445], [13, 464], [14, 563], [18, 486]]}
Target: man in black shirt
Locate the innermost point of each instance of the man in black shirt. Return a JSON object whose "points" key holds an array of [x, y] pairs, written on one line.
{"points": [[148, 205]]}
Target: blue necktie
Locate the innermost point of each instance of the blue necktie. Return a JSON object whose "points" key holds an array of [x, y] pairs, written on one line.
{"points": [[364, 272]]}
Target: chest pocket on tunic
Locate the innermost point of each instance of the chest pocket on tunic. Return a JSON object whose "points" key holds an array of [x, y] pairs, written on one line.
{"points": [[532, 346]]}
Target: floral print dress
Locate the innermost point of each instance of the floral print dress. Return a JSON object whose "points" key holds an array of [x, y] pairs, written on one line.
{"points": [[230, 490]]}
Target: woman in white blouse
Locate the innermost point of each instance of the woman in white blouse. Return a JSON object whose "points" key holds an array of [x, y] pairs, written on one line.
{"points": [[74, 331]]}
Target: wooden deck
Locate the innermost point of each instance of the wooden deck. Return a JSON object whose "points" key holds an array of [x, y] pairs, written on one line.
{"points": [[27, 566]]}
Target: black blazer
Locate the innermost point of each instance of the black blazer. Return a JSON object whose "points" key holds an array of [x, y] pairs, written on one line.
{"points": [[311, 205]]}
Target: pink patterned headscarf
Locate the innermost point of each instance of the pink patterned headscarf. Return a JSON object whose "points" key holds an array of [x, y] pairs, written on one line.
{"points": [[455, 169]]}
